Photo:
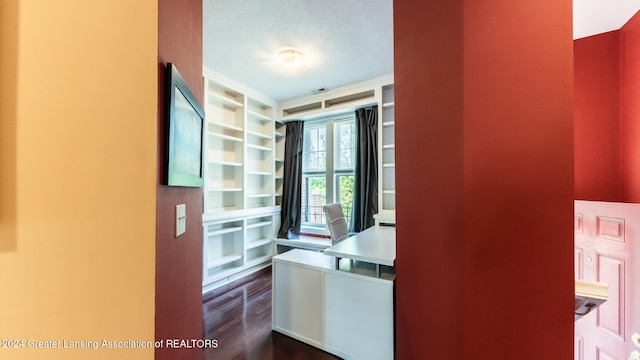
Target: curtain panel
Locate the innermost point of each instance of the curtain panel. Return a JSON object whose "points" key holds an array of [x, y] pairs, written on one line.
{"points": [[291, 208], [365, 194]]}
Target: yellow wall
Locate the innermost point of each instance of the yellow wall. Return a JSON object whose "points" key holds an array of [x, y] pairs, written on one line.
{"points": [[78, 119]]}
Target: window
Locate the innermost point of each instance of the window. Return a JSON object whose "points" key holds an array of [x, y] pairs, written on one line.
{"points": [[328, 163]]}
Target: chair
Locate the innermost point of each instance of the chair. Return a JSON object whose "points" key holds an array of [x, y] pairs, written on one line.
{"points": [[336, 222]]}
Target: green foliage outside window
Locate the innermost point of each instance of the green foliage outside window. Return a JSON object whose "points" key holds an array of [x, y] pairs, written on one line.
{"points": [[346, 195]]}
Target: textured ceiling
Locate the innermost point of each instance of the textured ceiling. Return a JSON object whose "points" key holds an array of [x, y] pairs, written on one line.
{"points": [[346, 41]]}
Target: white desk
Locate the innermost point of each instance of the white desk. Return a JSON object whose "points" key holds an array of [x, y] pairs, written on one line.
{"points": [[376, 245], [347, 312]]}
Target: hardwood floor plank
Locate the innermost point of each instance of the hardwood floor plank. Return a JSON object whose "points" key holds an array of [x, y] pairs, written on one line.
{"points": [[239, 317]]}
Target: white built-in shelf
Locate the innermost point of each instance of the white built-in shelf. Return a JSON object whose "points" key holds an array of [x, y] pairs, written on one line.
{"points": [[258, 147], [259, 224], [223, 260], [241, 140], [260, 135], [257, 243], [226, 230], [386, 204], [221, 99], [258, 115], [279, 160], [258, 195], [324, 104], [259, 173], [212, 211], [258, 260], [227, 137], [225, 163], [226, 126], [225, 189], [278, 177]]}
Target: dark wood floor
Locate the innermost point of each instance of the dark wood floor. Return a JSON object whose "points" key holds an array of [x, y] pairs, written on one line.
{"points": [[239, 317]]}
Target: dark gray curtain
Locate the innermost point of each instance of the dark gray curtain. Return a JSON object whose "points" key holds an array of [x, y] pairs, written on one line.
{"points": [[292, 183], [365, 192]]}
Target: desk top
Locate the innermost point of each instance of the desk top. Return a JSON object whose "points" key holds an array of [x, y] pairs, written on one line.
{"points": [[376, 244]]}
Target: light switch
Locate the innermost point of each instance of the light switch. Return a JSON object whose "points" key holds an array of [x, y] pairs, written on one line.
{"points": [[181, 219]]}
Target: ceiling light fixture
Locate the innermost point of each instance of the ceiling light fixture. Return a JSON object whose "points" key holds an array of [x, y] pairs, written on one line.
{"points": [[290, 60]]}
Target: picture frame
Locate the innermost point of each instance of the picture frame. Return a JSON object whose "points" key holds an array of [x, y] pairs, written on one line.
{"points": [[184, 133]]}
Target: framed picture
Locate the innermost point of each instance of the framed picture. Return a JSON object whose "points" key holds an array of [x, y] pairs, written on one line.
{"points": [[184, 133]]}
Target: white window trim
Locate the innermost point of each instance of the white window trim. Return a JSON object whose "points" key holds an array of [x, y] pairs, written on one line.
{"points": [[329, 121]]}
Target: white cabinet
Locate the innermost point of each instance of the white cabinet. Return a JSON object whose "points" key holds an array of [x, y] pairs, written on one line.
{"points": [[298, 298], [359, 316], [347, 312]]}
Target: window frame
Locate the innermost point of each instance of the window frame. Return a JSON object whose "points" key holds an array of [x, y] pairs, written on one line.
{"points": [[331, 175]]}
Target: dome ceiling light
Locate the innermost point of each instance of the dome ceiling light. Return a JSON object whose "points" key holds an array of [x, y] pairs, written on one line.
{"points": [[290, 60]]}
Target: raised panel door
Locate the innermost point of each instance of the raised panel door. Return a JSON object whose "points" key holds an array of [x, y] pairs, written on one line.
{"points": [[605, 234]]}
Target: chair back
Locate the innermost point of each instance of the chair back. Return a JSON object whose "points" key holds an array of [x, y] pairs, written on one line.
{"points": [[336, 222]]}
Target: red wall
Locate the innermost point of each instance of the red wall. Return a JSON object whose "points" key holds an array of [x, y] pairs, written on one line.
{"points": [[484, 93], [607, 115], [597, 117], [178, 260], [630, 109], [430, 234]]}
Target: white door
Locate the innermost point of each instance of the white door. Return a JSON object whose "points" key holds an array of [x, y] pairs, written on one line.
{"points": [[607, 249]]}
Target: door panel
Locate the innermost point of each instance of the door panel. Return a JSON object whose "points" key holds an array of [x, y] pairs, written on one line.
{"points": [[611, 313], [578, 348], [607, 249], [603, 355], [578, 260]]}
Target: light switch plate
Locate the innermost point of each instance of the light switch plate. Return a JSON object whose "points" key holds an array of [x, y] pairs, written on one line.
{"points": [[181, 219]]}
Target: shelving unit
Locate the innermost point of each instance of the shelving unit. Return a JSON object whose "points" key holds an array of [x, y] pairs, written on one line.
{"points": [[259, 238], [387, 149], [241, 141], [223, 247], [234, 244], [259, 154], [224, 144], [240, 216], [337, 102], [279, 134]]}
